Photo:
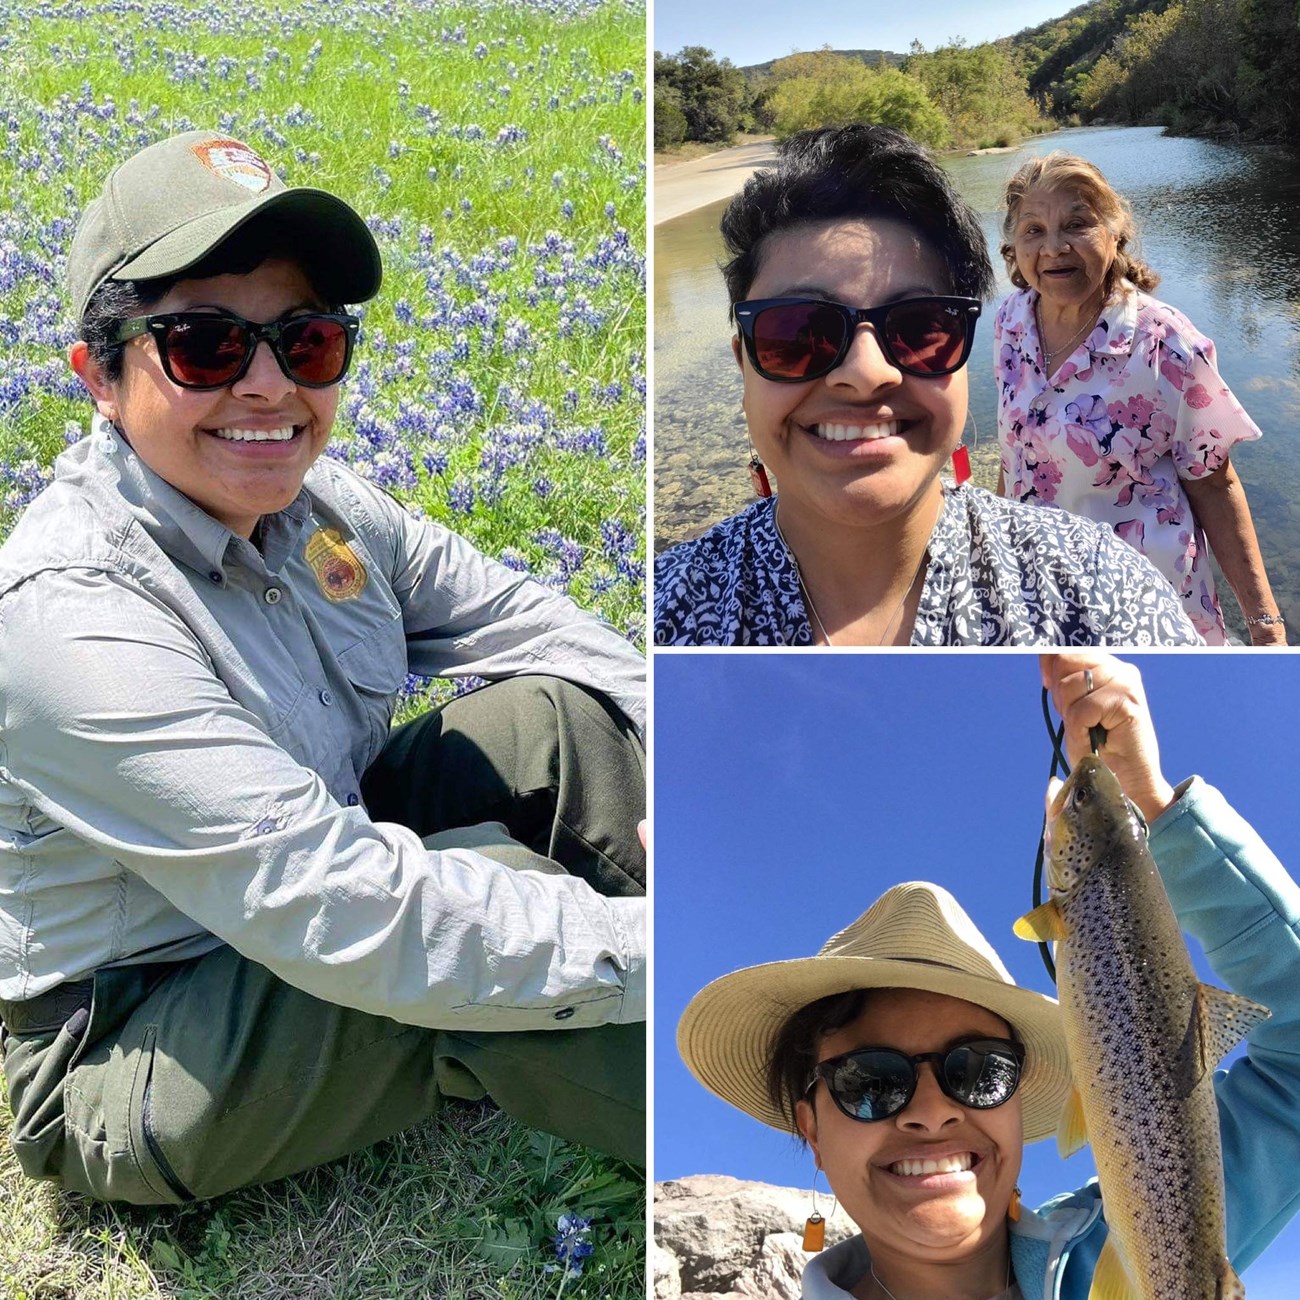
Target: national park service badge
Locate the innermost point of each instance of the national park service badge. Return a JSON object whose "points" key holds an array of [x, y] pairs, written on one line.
{"points": [[234, 161], [339, 572]]}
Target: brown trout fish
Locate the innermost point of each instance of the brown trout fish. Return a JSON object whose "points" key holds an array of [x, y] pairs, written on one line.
{"points": [[1144, 1036]]}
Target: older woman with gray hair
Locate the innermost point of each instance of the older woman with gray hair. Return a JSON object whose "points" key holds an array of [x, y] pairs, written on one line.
{"points": [[1110, 404]]}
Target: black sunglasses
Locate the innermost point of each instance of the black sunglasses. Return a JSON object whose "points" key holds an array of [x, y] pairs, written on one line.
{"points": [[792, 340], [873, 1083], [205, 350]]}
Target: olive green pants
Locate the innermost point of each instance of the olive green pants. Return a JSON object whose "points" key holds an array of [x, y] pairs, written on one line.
{"points": [[188, 1080]]}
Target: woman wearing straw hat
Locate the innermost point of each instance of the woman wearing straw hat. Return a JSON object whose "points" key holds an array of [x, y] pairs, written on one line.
{"points": [[243, 928], [915, 1068]]}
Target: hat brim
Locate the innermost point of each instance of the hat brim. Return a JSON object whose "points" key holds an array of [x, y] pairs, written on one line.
{"points": [[335, 243], [728, 1030]]}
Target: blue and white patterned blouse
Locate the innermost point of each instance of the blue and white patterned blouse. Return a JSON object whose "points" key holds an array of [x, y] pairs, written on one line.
{"points": [[997, 573]]}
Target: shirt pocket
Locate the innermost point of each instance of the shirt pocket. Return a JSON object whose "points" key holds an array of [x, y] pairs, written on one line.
{"points": [[376, 667]]}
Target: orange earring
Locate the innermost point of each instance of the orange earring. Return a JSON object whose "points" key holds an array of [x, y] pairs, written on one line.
{"points": [[814, 1228], [1013, 1210]]}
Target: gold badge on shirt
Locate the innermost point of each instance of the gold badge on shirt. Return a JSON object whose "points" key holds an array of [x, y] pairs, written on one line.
{"points": [[339, 572]]}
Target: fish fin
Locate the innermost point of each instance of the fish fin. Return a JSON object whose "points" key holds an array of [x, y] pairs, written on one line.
{"points": [[1225, 1019], [1044, 924], [1231, 1286], [1110, 1279], [1072, 1132]]}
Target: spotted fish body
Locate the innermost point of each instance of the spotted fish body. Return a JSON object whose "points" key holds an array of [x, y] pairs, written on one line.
{"points": [[1144, 1037]]}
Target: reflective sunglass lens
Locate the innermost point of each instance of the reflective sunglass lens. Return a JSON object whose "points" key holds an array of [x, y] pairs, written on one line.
{"points": [[926, 336], [798, 339], [872, 1086], [205, 353], [315, 350], [981, 1077]]}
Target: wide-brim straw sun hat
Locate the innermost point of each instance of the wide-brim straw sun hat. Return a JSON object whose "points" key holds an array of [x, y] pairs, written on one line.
{"points": [[915, 936]]}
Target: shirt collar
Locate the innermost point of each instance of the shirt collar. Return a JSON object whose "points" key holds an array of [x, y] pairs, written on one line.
{"points": [[185, 531], [1118, 316]]}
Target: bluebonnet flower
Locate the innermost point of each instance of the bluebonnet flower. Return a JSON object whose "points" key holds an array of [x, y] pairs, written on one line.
{"points": [[460, 496], [572, 1247]]}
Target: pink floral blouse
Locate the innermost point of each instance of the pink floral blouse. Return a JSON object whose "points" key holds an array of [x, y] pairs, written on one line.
{"points": [[1138, 406]]}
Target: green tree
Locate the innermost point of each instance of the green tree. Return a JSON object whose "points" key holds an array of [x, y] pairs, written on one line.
{"points": [[846, 91], [1270, 75], [712, 93], [670, 121], [979, 89]]}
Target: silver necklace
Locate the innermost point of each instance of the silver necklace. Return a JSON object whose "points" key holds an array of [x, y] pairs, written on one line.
{"points": [[1066, 348], [807, 597], [876, 1278]]}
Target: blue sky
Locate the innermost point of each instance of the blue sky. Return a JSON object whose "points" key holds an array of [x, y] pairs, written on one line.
{"points": [[768, 29], [791, 790]]}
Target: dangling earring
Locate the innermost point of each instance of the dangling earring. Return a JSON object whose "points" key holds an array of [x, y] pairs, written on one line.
{"points": [[1013, 1210], [961, 457], [814, 1228], [758, 475]]}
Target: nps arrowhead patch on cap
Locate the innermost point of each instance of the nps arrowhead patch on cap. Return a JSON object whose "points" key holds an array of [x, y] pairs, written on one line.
{"points": [[234, 161]]}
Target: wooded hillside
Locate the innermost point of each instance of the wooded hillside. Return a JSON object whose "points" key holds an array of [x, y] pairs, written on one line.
{"points": [[1217, 67]]}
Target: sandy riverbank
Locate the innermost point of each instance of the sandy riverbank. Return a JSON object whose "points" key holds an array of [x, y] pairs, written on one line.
{"points": [[682, 187]]}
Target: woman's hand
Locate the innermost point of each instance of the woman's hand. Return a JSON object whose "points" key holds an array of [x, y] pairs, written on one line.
{"points": [[1118, 703]]}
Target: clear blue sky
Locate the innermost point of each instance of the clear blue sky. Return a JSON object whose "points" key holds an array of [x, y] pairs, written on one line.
{"points": [[759, 30], [790, 790]]}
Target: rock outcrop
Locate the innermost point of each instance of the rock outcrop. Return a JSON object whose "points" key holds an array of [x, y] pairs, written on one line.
{"points": [[717, 1236]]}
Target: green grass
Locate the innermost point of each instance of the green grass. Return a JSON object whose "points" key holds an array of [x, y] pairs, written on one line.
{"points": [[454, 1209], [346, 97]]}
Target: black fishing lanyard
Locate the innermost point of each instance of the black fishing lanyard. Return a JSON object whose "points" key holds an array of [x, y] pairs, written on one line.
{"points": [[1056, 734]]}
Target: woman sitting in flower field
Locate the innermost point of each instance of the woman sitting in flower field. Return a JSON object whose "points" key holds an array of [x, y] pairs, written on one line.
{"points": [[244, 929], [856, 279]]}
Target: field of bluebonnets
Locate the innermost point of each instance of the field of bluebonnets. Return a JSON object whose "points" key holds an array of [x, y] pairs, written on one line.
{"points": [[497, 149]]}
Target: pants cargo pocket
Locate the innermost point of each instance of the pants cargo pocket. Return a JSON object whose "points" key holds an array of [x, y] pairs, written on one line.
{"points": [[144, 1127], [108, 1151]]}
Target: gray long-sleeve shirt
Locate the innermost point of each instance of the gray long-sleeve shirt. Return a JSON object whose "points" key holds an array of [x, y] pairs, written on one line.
{"points": [[184, 722]]}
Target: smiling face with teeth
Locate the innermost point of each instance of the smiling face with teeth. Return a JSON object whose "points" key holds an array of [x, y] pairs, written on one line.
{"points": [[238, 452], [864, 445], [932, 1183]]}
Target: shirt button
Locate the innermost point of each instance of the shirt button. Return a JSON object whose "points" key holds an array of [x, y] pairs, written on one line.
{"points": [[353, 800], [564, 1013], [326, 698], [272, 595], [215, 576]]}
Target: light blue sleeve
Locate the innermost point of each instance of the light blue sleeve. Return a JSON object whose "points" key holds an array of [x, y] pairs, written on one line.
{"points": [[1236, 899]]}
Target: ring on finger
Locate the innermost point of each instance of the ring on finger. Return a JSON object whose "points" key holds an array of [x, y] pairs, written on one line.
{"points": [[1087, 681]]}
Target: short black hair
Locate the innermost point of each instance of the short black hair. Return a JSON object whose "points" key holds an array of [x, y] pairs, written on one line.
{"points": [[855, 173], [115, 301], [794, 1049]]}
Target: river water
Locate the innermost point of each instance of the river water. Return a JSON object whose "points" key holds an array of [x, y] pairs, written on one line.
{"points": [[1220, 222]]}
